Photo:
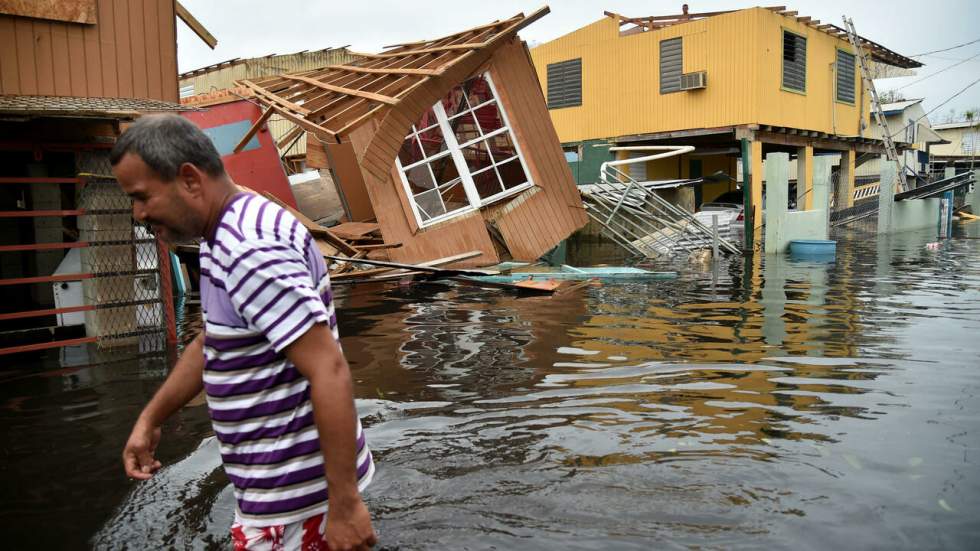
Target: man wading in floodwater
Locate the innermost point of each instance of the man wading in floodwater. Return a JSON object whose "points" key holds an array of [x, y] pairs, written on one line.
{"points": [[278, 387]]}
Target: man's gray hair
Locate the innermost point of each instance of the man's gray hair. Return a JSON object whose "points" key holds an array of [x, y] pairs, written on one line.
{"points": [[165, 142]]}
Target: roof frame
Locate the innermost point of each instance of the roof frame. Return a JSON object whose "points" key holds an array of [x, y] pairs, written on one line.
{"points": [[877, 51]]}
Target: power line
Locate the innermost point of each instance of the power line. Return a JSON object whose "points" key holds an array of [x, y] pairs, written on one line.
{"points": [[961, 62], [947, 100], [947, 49]]}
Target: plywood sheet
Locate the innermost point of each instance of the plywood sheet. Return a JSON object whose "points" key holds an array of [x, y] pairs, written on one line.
{"points": [[71, 11]]}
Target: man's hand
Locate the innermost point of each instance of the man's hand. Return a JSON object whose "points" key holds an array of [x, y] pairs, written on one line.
{"points": [[138, 457], [349, 525], [183, 383]]}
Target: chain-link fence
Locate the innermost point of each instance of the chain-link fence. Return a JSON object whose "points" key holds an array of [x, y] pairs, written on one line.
{"points": [[123, 259]]}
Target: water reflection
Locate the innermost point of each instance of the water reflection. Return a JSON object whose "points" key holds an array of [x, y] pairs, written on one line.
{"points": [[762, 402]]}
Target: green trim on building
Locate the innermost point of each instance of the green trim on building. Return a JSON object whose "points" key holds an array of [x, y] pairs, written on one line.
{"points": [[586, 169]]}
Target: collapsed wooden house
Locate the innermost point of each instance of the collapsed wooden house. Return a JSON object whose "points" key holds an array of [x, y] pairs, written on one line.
{"points": [[446, 143]]}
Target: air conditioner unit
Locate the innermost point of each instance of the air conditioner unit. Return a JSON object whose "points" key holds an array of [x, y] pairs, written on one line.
{"points": [[693, 81]]}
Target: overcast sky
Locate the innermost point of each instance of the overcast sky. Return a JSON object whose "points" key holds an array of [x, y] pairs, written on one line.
{"points": [[251, 28]]}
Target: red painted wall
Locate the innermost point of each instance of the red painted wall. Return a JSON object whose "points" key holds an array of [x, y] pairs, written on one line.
{"points": [[257, 168]]}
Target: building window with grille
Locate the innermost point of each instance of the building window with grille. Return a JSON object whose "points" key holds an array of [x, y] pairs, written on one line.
{"points": [[461, 155], [845, 77], [565, 84], [671, 65], [794, 62]]}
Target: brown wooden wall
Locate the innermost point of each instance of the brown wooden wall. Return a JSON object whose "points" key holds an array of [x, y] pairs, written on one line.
{"points": [[131, 52], [532, 224]]}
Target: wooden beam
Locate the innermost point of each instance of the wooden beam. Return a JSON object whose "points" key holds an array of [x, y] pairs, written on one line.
{"points": [[342, 90], [251, 131], [195, 25], [40, 213], [43, 246], [273, 98], [451, 47], [394, 71], [43, 345]]}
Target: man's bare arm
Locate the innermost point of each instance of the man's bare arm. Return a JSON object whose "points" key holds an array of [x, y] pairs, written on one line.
{"points": [[183, 384], [318, 357]]}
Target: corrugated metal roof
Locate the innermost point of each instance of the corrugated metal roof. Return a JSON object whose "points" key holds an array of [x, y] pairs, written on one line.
{"points": [[960, 124], [877, 51], [899, 105], [84, 107]]}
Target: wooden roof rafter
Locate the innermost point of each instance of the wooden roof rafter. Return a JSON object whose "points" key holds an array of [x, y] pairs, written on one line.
{"points": [[337, 98], [877, 51]]}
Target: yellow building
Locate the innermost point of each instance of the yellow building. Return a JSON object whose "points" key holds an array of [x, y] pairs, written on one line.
{"points": [[736, 84]]}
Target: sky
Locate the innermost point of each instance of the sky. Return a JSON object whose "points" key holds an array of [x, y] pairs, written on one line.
{"points": [[252, 28]]}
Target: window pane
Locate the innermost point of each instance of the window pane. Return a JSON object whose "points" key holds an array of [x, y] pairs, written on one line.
{"points": [[426, 120], [429, 204], [444, 169], [487, 184], [477, 90], [455, 101], [501, 147], [454, 196], [419, 179], [512, 174], [489, 118], [433, 141], [464, 127], [410, 152], [476, 156]]}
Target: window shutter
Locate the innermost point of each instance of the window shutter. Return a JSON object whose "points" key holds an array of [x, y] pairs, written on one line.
{"points": [[794, 61], [671, 65], [565, 84], [845, 77]]}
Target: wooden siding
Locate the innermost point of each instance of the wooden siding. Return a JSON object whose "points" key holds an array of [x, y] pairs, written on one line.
{"points": [[741, 52], [531, 224], [131, 52]]}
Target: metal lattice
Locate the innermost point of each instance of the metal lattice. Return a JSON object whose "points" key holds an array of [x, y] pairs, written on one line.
{"points": [[124, 259]]}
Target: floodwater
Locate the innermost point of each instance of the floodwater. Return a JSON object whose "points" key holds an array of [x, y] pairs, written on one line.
{"points": [[768, 403]]}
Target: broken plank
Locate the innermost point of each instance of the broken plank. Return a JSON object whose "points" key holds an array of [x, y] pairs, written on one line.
{"points": [[253, 130]]}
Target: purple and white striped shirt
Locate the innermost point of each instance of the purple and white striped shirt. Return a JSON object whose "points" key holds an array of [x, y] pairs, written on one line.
{"points": [[263, 285]]}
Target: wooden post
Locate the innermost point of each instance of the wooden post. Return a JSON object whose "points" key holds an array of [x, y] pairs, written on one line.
{"points": [[167, 292], [804, 178], [844, 193]]}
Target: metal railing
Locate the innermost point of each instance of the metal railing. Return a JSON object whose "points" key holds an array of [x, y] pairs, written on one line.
{"points": [[641, 221]]}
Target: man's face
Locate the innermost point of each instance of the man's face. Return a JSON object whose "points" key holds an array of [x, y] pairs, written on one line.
{"points": [[168, 207]]}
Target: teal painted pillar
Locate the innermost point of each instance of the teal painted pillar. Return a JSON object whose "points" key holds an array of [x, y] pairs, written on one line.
{"points": [[973, 197], [886, 197]]}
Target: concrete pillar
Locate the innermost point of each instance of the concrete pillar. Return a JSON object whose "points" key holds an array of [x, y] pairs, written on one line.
{"points": [[845, 184], [820, 196], [755, 186], [886, 197], [777, 197], [804, 178]]}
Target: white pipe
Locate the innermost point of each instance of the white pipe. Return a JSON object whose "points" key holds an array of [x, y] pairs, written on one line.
{"points": [[670, 151]]}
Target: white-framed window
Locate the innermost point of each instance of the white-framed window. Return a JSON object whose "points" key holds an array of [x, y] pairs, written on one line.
{"points": [[970, 142], [461, 155]]}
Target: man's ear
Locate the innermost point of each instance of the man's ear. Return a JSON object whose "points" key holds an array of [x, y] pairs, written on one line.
{"points": [[191, 179]]}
